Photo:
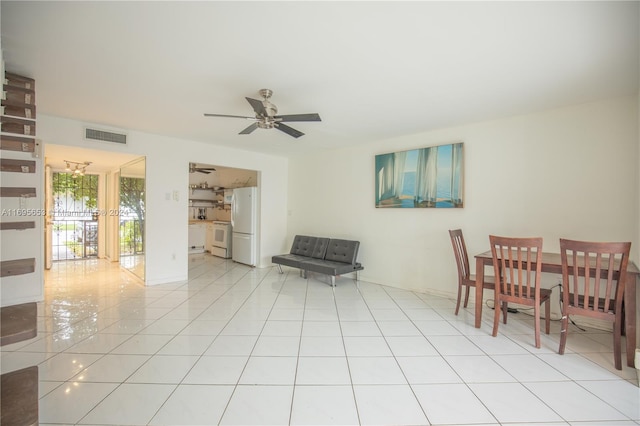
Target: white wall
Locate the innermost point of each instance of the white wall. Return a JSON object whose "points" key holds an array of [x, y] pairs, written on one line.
{"points": [[585, 158], [167, 163], [569, 172]]}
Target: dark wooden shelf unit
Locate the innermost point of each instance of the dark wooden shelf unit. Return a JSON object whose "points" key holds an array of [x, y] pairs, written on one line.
{"points": [[10, 268], [8, 191], [17, 143], [18, 126], [17, 166], [19, 398], [19, 103], [19, 322], [19, 95], [18, 226], [21, 82], [19, 110]]}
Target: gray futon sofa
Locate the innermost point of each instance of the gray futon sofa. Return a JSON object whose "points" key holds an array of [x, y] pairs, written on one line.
{"points": [[329, 256]]}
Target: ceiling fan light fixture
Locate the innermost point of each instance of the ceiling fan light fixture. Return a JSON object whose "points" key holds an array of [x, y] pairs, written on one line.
{"points": [[266, 124], [266, 116], [79, 169]]}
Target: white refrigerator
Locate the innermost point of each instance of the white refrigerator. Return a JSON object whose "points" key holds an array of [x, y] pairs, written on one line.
{"points": [[244, 218]]}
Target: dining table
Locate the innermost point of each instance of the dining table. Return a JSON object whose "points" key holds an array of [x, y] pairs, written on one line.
{"points": [[552, 263]]}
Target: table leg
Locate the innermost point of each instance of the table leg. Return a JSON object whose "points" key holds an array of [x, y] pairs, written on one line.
{"points": [[630, 317], [479, 285]]}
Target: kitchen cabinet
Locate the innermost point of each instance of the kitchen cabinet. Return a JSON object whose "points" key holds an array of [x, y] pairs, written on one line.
{"points": [[197, 237], [209, 237]]}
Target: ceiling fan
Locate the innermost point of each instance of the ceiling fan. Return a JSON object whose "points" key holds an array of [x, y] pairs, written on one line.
{"points": [[206, 170], [266, 117]]}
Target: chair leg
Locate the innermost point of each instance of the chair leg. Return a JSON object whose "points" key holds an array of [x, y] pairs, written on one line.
{"points": [[496, 318], [617, 343], [547, 316], [458, 300], [536, 327], [505, 307], [466, 295], [564, 330]]}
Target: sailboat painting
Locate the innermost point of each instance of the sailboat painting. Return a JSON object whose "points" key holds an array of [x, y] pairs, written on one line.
{"points": [[430, 177]]}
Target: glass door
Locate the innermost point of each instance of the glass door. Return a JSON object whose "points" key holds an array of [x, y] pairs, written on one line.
{"points": [[75, 216]]}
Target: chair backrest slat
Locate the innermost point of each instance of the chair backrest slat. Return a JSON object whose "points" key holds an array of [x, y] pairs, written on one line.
{"points": [[594, 274], [607, 296], [576, 281], [516, 262], [460, 251]]}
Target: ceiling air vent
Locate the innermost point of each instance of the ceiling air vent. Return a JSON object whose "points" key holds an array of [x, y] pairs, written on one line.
{"points": [[101, 135]]}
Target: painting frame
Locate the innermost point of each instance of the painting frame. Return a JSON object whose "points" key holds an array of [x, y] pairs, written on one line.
{"points": [[428, 177]]}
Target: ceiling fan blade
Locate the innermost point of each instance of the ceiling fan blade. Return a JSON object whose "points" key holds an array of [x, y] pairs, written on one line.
{"points": [[229, 116], [257, 106], [298, 117], [249, 129], [194, 168], [289, 130]]}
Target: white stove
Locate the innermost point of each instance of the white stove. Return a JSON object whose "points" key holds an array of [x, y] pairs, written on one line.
{"points": [[221, 245]]}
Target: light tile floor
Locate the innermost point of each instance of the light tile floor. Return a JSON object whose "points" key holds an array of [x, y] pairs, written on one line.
{"points": [[243, 346]]}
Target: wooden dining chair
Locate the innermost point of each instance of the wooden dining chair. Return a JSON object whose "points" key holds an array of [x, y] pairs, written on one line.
{"points": [[465, 278], [515, 261], [593, 280]]}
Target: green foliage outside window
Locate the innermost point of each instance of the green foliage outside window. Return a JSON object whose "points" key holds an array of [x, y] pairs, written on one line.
{"points": [[80, 188]]}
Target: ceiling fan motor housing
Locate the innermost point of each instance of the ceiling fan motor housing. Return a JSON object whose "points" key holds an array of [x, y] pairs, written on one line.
{"points": [[265, 124], [269, 108]]}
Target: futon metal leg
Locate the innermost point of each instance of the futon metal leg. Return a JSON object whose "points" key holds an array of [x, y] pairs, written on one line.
{"points": [[333, 281], [280, 269], [303, 274]]}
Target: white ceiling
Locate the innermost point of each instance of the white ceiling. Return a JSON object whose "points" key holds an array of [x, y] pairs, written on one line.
{"points": [[372, 70]]}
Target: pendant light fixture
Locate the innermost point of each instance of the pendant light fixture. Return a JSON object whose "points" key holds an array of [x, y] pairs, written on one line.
{"points": [[76, 168]]}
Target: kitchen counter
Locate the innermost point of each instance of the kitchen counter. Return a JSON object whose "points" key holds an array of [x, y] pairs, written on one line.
{"points": [[196, 221]]}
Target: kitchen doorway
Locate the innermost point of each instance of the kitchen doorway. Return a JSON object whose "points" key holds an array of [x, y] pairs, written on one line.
{"points": [[212, 190]]}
